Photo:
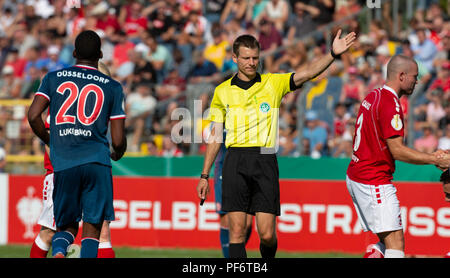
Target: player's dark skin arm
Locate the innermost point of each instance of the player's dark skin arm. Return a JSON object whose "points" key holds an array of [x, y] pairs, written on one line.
{"points": [[35, 111], [401, 152], [119, 141]]}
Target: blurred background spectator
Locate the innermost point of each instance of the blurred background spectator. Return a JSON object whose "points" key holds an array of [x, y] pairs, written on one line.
{"points": [[427, 142], [140, 106], [277, 13], [353, 90], [316, 134]]}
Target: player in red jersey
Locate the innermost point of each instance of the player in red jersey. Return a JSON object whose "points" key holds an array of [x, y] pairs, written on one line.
{"points": [[377, 143]]}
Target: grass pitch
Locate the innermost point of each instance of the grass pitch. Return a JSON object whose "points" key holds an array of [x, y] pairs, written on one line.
{"points": [[23, 251]]}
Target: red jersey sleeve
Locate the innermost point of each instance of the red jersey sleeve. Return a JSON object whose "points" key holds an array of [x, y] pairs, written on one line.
{"points": [[391, 116]]}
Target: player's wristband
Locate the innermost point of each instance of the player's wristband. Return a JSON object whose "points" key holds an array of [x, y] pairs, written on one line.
{"points": [[204, 176], [334, 54]]}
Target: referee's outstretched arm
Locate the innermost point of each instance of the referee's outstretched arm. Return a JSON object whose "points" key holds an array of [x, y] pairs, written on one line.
{"points": [[339, 46]]}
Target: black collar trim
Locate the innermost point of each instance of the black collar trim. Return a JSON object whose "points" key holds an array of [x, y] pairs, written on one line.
{"points": [[245, 85]]}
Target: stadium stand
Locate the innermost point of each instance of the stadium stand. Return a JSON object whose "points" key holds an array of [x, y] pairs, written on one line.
{"points": [[165, 46]]}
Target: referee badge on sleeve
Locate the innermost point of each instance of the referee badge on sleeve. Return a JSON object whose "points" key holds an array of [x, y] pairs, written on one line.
{"points": [[396, 122]]}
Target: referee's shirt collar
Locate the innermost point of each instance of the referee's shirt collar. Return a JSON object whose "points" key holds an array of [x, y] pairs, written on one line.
{"points": [[245, 85]]}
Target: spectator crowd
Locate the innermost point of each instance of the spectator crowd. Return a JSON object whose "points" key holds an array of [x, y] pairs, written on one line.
{"points": [[167, 53]]}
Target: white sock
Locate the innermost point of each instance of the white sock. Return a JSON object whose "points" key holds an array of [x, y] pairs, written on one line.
{"points": [[41, 244], [393, 253], [104, 245]]}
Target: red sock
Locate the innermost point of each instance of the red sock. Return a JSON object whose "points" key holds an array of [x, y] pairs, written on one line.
{"points": [[105, 250], [106, 253], [36, 251]]}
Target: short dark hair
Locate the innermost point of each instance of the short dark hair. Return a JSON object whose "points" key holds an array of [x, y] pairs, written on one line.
{"points": [[88, 46], [247, 41], [340, 104]]}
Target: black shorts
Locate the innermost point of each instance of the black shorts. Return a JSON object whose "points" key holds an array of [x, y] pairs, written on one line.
{"points": [[250, 182]]}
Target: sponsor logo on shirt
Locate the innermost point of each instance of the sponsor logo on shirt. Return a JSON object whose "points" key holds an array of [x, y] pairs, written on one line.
{"points": [[366, 104]]}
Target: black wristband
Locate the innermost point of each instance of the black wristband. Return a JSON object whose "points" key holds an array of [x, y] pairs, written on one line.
{"points": [[334, 54], [204, 176]]}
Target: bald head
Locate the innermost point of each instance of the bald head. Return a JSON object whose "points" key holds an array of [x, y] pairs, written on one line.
{"points": [[402, 74], [400, 63]]}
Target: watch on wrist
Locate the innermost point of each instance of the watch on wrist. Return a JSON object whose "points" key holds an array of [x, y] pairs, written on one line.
{"points": [[204, 176]]}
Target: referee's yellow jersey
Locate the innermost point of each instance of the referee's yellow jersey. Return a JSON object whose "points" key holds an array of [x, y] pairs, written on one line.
{"points": [[250, 110]]}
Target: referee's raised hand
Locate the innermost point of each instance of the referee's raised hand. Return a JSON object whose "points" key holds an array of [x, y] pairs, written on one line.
{"points": [[340, 45]]}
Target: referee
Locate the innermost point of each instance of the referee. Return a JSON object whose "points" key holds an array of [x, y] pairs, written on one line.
{"points": [[247, 106]]}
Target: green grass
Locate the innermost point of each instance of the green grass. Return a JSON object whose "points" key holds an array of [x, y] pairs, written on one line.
{"points": [[23, 251]]}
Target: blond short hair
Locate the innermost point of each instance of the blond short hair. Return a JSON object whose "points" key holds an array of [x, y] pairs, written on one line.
{"points": [[103, 68]]}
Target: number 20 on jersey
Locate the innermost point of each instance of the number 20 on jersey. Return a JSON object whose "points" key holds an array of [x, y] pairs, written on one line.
{"points": [[82, 95]]}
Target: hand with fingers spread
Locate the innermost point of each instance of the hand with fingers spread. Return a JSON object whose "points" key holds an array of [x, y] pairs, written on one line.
{"points": [[340, 45]]}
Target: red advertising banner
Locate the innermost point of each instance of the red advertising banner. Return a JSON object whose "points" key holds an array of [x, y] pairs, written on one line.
{"points": [[319, 216], [24, 205], [315, 215]]}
